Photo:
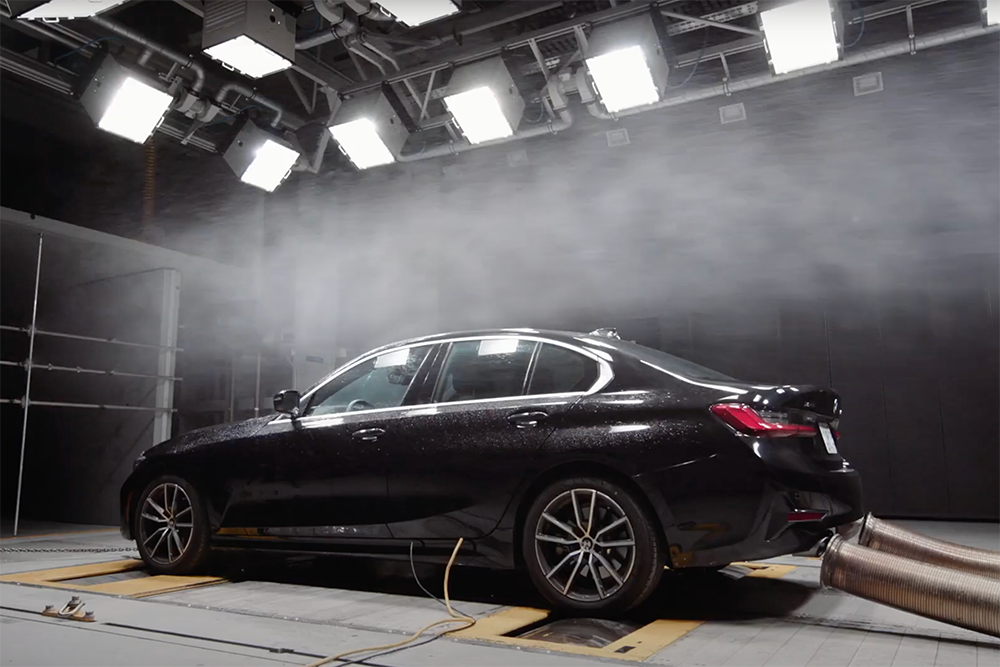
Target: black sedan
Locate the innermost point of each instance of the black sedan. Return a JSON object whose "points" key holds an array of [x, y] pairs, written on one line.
{"points": [[586, 460]]}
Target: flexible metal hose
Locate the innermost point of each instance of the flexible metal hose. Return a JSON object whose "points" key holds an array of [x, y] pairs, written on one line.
{"points": [[149, 186], [959, 598], [892, 539]]}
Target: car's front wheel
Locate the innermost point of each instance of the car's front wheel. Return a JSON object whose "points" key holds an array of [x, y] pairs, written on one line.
{"points": [[171, 526], [590, 547]]}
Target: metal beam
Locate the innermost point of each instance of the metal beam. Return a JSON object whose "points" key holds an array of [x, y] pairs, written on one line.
{"points": [[708, 22], [453, 57], [327, 77], [196, 7], [27, 384]]}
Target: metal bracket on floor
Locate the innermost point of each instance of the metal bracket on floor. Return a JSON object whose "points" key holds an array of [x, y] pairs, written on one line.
{"points": [[72, 610]]}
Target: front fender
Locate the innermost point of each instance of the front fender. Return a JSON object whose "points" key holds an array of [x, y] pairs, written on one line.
{"points": [[215, 498]]}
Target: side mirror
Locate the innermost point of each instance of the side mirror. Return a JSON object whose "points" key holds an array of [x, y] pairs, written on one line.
{"points": [[287, 402]]}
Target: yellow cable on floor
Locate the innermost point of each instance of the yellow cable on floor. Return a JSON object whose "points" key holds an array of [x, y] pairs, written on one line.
{"points": [[455, 618]]}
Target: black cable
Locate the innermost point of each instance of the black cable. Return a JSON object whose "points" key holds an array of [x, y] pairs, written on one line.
{"points": [[88, 44], [413, 571], [861, 33], [697, 62]]}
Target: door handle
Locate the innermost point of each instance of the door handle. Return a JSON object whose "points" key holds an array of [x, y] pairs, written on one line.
{"points": [[368, 434], [527, 419]]}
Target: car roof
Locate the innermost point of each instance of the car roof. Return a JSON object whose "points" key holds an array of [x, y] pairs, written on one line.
{"points": [[562, 336]]}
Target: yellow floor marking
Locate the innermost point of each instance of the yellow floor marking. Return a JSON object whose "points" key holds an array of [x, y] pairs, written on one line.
{"points": [[147, 586], [649, 639], [136, 588], [74, 572], [639, 645], [76, 532], [767, 571]]}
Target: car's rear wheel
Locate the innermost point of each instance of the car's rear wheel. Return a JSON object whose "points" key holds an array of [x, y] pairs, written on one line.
{"points": [[171, 526], [591, 547]]}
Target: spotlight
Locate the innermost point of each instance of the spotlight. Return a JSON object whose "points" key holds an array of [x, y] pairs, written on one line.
{"points": [[484, 101], [259, 158], [369, 130], [799, 35], [124, 102], [626, 63], [54, 10], [252, 37], [416, 12]]}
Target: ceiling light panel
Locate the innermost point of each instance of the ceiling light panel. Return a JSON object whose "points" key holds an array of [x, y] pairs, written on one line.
{"points": [[260, 158], [484, 101], [369, 131], [124, 102], [253, 37], [799, 35], [417, 12], [54, 10], [625, 62]]}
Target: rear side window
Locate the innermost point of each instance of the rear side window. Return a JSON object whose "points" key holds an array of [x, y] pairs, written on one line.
{"points": [[560, 370], [489, 368]]}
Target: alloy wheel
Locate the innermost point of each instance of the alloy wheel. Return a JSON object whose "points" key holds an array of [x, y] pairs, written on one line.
{"points": [[166, 523], [585, 545]]}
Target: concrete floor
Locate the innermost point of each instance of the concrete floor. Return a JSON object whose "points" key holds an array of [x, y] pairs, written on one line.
{"points": [[288, 612]]}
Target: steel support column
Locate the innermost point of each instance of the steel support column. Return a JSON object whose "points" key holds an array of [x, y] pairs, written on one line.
{"points": [[167, 356], [27, 384]]}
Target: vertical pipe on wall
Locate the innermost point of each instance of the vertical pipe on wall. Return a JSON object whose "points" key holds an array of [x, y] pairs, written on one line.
{"points": [[166, 362], [232, 387], [27, 384], [256, 391]]}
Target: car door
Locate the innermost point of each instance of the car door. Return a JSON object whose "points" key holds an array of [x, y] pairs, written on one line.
{"points": [[329, 476], [488, 408]]}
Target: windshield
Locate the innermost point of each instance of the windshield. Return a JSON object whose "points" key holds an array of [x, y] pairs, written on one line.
{"points": [[669, 362]]}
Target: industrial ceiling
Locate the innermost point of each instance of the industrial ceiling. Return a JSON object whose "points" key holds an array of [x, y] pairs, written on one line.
{"points": [[405, 80]]}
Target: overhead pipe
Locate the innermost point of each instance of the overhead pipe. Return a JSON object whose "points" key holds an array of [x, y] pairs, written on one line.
{"points": [[281, 117], [366, 9], [564, 122], [963, 599], [345, 28], [892, 539], [184, 61], [899, 48], [42, 30]]}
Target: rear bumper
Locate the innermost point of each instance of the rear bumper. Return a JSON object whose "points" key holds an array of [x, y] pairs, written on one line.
{"points": [[716, 533]]}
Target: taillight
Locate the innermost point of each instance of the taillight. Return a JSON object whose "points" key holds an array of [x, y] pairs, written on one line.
{"points": [[748, 421]]}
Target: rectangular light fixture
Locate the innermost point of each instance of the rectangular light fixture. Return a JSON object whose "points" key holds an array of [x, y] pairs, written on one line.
{"points": [[417, 12], [484, 101], [259, 158], [253, 37], [369, 130], [124, 102], [800, 34], [54, 10], [626, 64]]}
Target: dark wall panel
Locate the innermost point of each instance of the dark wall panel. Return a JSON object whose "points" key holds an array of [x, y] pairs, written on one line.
{"points": [[856, 369], [912, 407], [966, 342]]}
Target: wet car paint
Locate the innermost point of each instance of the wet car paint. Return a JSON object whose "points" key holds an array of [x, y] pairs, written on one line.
{"points": [[444, 471]]}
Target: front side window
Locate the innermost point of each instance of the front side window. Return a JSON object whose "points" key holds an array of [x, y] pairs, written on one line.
{"points": [[559, 370], [380, 382], [489, 368]]}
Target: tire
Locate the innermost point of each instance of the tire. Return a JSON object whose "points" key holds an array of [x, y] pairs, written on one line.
{"points": [[572, 586], [165, 505]]}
